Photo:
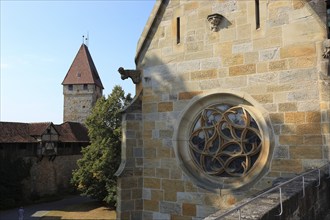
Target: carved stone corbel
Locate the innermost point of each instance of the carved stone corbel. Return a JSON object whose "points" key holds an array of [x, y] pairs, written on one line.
{"points": [[214, 20], [135, 75], [326, 46]]}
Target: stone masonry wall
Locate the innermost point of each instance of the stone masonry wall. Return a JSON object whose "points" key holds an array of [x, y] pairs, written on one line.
{"points": [[130, 183], [278, 67], [50, 177], [78, 103], [314, 205]]}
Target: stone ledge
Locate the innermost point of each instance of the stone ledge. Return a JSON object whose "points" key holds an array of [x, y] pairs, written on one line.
{"points": [[314, 205]]}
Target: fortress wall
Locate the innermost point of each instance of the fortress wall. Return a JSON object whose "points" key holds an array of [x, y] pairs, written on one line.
{"points": [[50, 177]]}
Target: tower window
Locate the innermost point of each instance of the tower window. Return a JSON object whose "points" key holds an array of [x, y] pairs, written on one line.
{"points": [[78, 75], [85, 86], [70, 87]]}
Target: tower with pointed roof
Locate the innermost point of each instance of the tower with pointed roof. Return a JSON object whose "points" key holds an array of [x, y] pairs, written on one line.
{"points": [[82, 87]]}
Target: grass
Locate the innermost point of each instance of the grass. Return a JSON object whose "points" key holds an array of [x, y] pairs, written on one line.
{"points": [[87, 210]]}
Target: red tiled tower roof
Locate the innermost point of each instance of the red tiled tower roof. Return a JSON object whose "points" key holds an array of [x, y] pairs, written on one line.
{"points": [[82, 70]]}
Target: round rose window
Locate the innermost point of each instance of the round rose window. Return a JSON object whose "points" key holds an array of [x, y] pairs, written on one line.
{"points": [[224, 144]]}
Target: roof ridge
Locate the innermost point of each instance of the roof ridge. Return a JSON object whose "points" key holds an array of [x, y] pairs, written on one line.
{"points": [[92, 66], [46, 122], [149, 28]]}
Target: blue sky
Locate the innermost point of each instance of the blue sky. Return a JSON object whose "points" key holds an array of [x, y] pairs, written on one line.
{"points": [[39, 40]]}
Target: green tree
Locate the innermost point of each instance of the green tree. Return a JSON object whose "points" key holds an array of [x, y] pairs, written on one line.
{"points": [[100, 160]]}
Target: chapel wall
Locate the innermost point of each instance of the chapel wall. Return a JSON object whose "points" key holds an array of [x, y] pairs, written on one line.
{"points": [[130, 172], [275, 67]]}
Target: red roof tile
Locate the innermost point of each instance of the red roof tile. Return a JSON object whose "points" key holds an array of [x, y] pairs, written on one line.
{"points": [[82, 70], [14, 132], [37, 129], [72, 132]]}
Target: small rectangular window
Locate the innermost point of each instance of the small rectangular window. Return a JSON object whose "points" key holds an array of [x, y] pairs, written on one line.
{"points": [[178, 30], [328, 18], [257, 14], [70, 87], [85, 86]]}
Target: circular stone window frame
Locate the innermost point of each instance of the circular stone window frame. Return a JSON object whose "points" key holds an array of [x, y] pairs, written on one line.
{"points": [[183, 131]]}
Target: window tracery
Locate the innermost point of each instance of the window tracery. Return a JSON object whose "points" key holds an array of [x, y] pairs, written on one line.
{"points": [[225, 141]]}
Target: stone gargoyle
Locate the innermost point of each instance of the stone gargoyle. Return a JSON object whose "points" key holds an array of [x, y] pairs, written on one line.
{"points": [[135, 75]]}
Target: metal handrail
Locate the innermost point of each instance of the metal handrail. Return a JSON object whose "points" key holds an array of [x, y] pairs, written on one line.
{"points": [[279, 186]]}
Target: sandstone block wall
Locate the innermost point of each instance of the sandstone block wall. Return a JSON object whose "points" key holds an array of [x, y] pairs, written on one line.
{"points": [[310, 202], [279, 68], [50, 177]]}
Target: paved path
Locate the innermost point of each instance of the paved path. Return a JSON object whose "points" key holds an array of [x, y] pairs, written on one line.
{"points": [[34, 212]]}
